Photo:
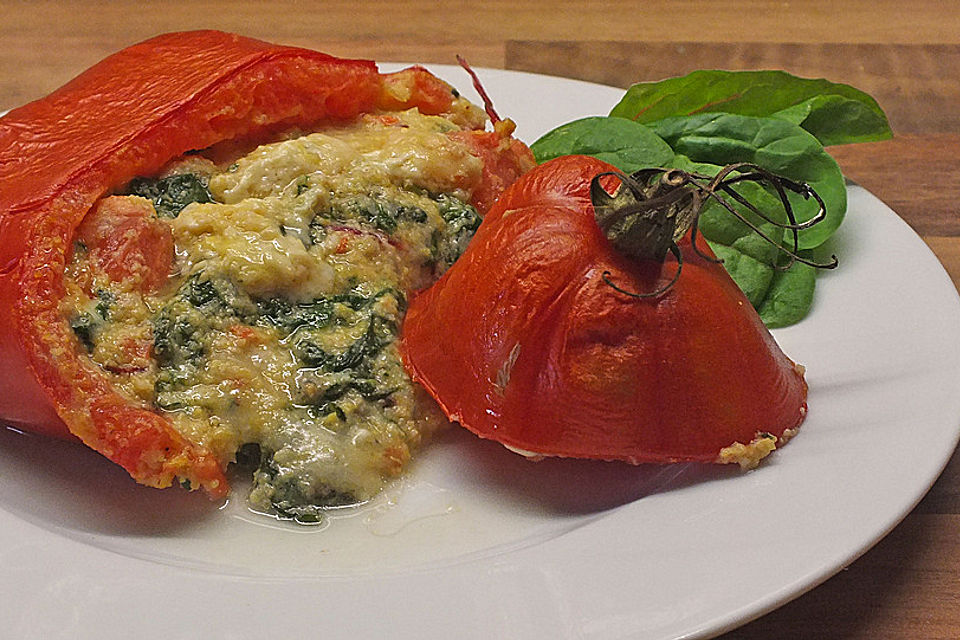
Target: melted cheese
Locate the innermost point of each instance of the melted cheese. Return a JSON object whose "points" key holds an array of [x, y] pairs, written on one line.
{"points": [[412, 150], [246, 243], [334, 226]]}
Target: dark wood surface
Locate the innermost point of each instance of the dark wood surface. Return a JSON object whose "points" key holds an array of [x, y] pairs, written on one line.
{"points": [[906, 54]]}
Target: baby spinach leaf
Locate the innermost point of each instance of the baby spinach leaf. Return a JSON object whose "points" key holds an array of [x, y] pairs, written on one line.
{"points": [[751, 275], [834, 113], [627, 145], [716, 139], [782, 297], [834, 119], [789, 296], [704, 142], [776, 145]]}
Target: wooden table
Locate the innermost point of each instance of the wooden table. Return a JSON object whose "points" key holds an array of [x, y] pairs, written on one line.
{"points": [[907, 54]]}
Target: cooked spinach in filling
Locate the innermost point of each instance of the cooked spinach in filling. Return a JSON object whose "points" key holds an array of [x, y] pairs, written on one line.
{"points": [[273, 343]]}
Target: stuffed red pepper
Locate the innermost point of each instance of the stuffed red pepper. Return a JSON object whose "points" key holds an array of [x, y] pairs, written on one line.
{"points": [[207, 242]]}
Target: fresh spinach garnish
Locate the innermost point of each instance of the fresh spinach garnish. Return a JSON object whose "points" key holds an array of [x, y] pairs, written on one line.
{"points": [[711, 118], [776, 145], [834, 113], [625, 144]]}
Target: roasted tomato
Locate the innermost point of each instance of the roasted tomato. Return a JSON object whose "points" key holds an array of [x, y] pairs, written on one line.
{"points": [[549, 340]]}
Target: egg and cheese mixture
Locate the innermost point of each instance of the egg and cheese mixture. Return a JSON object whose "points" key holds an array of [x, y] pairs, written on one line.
{"points": [[273, 340]]}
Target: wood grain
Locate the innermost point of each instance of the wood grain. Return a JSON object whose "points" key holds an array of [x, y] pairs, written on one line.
{"points": [[917, 175], [44, 43], [429, 21], [905, 588], [947, 249], [917, 85]]}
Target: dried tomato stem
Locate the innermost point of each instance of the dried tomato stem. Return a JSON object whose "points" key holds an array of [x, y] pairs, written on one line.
{"points": [[487, 102], [654, 208]]}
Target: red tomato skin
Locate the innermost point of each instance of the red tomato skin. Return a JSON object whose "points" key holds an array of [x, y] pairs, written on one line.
{"points": [[524, 343], [504, 160], [415, 87], [163, 97]]}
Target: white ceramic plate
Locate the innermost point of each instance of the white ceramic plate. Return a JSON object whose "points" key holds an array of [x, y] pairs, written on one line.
{"points": [[477, 543]]}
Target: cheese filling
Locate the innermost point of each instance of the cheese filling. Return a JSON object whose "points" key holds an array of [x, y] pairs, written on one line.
{"points": [[272, 342]]}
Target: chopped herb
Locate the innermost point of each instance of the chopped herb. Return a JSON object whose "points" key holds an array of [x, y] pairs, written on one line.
{"points": [[376, 209], [321, 312], [288, 316], [171, 194], [303, 184], [184, 327], [84, 325], [178, 335], [106, 299], [293, 497], [462, 222], [218, 296], [380, 331], [321, 401], [317, 231]]}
